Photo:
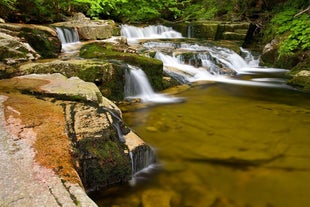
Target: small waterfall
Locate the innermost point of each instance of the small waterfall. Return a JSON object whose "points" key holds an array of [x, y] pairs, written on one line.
{"points": [[190, 31], [249, 58], [134, 33], [182, 72], [137, 86], [142, 160], [68, 37], [213, 64]]}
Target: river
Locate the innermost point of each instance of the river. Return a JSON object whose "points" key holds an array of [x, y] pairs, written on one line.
{"points": [[229, 143]]}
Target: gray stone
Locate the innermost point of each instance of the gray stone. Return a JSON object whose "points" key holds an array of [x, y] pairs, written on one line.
{"points": [[90, 29], [25, 183], [37, 39], [14, 50]]}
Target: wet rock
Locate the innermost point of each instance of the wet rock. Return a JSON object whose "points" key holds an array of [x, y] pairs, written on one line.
{"points": [[93, 125], [142, 154], [153, 68], [301, 79], [99, 152]]}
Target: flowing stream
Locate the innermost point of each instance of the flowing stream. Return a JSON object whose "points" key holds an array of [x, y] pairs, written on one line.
{"points": [[241, 138]]}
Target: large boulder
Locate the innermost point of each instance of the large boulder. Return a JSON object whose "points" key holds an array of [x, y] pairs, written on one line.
{"points": [[14, 50], [42, 39], [35, 164], [90, 29], [271, 57], [87, 126], [107, 76]]}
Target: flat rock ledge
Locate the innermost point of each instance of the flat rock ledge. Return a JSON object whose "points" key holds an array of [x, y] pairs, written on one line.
{"points": [[59, 139], [25, 183]]}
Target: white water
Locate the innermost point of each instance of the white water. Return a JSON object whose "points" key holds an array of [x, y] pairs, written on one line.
{"points": [[134, 33], [69, 39], [137, 86], [213, 60]]}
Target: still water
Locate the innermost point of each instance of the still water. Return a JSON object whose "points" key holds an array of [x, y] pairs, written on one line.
{"points": [[226, 145], [241, 141]]}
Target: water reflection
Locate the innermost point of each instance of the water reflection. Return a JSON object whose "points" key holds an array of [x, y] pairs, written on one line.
{"points": [[225, 146]]}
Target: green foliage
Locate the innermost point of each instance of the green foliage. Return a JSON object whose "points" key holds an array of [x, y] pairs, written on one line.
{"points": [[294, 31], [10, 4], [6, 7]]}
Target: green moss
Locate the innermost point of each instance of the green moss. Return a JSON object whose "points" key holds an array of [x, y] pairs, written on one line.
{"points": [[152, 67], [107, 163], [298, 80], [301, 81], [46, 45], [303, 64]]}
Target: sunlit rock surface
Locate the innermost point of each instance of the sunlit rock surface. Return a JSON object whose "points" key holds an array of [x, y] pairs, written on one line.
{"points": [[59, 138], [108, 78], [24, 181], [90, 29]]}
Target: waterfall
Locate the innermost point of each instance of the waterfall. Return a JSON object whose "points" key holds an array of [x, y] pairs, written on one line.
{"points": [[142, 161], [195, 63], [68, 37], [190, 31], [249, 58], [137, 86], [134, 33]]}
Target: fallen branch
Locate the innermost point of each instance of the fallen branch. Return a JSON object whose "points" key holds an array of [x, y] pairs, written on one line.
{"points": [[300, 13]]}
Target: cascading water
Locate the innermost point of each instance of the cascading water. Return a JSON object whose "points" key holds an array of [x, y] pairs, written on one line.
{"points": [[210, 63], [69, 38], [133, 33], [137, 86], [190, 63]]}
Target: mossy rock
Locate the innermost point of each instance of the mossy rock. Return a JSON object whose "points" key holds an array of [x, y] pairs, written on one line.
{"points": [[6, 71], [233, 36], [153, 68], [107, 76], [304, 63], [301, 80], [205, 30], [104, 163], [301, 73], [46, 44]]}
